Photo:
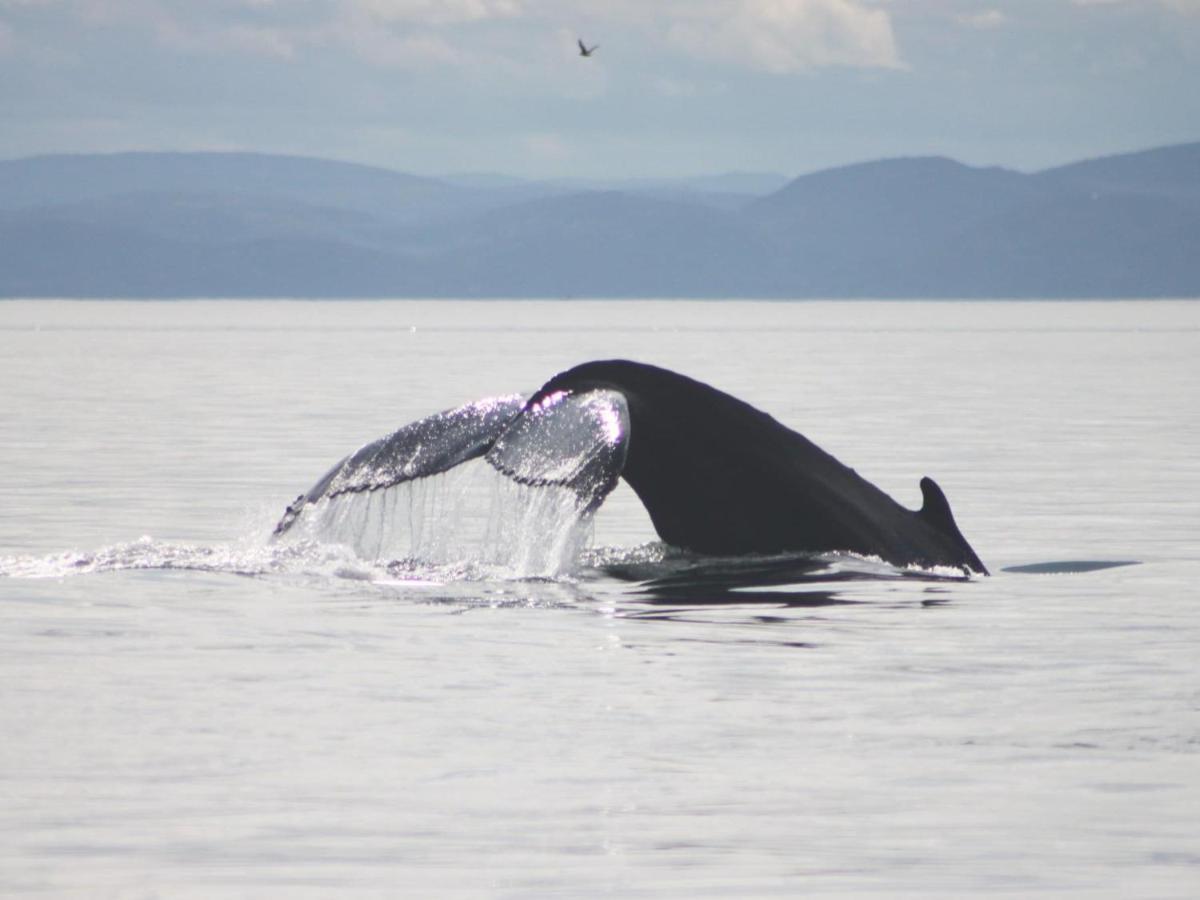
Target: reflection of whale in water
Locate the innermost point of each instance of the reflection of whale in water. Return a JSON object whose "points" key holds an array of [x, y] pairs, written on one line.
{"points": [[716, 475], [790, 580]]}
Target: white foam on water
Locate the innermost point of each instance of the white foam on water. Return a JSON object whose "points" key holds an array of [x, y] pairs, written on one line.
{"points": [[469, 524], [302, 557]]}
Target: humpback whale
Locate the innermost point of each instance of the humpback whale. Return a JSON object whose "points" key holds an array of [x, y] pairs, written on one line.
{"points": [[716, 475]]}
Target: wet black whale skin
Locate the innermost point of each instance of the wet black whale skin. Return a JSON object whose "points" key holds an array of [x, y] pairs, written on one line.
{"points": [[719, 477]]}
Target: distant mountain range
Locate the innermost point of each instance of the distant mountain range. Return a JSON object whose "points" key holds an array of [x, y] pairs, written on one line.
{"points": [[255, 225]]}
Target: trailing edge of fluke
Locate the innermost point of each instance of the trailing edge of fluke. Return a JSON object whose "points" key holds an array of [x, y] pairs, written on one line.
{"points": [[717, 476]]}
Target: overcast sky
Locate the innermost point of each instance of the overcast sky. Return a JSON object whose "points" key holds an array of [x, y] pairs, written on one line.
{"points": [[677, 87]]}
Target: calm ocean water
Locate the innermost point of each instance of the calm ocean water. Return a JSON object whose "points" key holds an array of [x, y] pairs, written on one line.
{"points": [[188, 711]]}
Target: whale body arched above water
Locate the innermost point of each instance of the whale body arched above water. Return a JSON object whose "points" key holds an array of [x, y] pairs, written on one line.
{"points": [[716, 475]]}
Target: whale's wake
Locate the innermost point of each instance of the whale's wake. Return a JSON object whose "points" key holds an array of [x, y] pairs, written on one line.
{"points": [[470, 523]]}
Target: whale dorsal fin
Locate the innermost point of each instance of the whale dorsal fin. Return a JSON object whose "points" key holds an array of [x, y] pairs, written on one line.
{"points": [[935, 508], [935, 512]]}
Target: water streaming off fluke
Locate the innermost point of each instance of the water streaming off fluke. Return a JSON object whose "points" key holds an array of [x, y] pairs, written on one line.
{"points": [[490, 482]]}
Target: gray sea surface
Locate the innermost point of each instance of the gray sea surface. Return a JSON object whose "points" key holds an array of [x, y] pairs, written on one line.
{"points": [[188, 710]]}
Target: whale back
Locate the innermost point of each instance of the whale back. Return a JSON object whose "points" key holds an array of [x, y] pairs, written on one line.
{"points": [[720, 477]]}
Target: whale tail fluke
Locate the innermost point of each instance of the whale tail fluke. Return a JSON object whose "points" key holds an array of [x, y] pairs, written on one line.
{"points": [[716, 476]]}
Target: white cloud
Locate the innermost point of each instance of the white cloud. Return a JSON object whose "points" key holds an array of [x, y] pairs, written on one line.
{"points": [[784, 36], [1183, 7], [386, 49], [671, 87], [248, 40], [271, 42], [780, 36], [986, 18], [437, 12], [546, 145]]}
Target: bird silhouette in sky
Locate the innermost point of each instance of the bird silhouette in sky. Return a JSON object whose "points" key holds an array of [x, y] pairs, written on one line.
{"points": [[585, 50]]}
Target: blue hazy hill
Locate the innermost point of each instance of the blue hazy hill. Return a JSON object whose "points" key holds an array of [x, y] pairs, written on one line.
{"points": [[50, 180], [240, 224]]}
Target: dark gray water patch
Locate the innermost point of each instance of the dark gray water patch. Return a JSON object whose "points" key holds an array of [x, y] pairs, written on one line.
{"points": [[792, 580], [1070, 567]]}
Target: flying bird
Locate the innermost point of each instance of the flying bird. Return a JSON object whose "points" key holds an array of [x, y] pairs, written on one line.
{"points": [[585, 50]]}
